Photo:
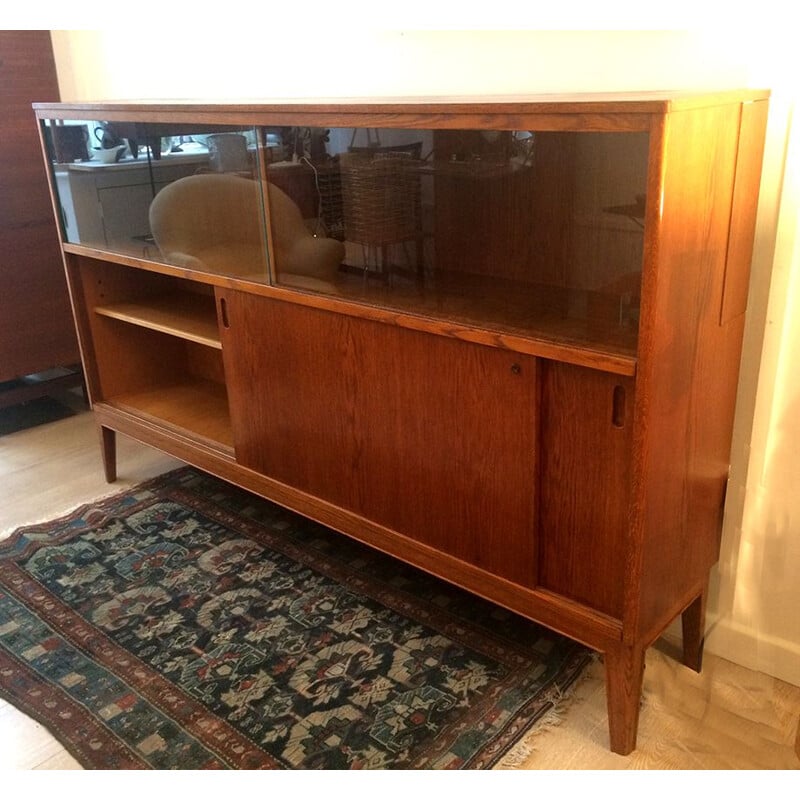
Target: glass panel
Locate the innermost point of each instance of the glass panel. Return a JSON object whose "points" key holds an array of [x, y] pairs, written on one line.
{"points": [[179, 193], [537, 233], [532, 232]]}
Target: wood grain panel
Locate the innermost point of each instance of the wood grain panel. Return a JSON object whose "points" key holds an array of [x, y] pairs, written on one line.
{"points": [[688, 366], [197, 407], [585, 481], [36, 328], [745, 204], [430, 437], [612, 111]]}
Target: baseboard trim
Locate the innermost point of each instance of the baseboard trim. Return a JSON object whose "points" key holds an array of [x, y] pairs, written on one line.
{"points": [[755, 650], [747, 647]]}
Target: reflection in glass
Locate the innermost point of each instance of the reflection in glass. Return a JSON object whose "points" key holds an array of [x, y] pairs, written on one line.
{"points": [[525, 230], [183, 194], [211, 222], [538, 233]]}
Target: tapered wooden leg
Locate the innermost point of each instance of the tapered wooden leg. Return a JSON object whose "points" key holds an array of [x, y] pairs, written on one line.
{"points": [[108, 440], [624, 674], [693, 623]]}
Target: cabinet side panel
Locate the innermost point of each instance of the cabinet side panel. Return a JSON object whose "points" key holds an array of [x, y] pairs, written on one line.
{"points": [[431, 437], [689, 363], [585, 483]]}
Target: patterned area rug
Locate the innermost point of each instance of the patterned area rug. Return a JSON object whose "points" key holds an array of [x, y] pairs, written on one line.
{"points": [[188, 624]]}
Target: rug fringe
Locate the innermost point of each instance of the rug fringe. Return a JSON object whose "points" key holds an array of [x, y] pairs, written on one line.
{"points": [[562, 701], [5, 533]]}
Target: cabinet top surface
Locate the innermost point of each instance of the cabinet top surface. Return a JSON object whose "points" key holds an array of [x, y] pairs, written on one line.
{"points": [[657, 102]]}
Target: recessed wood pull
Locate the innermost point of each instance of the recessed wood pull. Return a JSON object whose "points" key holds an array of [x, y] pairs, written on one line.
{"points": [[618, 407], [223, 312]]}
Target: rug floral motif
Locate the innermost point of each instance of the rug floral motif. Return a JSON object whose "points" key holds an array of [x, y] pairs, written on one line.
{"points": [[188, 624]]}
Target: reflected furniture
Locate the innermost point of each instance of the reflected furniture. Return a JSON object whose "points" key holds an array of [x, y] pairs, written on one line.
{"points": [[211, 222], [542, 417], [108, 203], [382, 203]]}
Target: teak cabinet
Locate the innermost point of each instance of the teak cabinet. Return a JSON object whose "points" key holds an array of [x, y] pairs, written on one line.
{"points": [[497, 339]]}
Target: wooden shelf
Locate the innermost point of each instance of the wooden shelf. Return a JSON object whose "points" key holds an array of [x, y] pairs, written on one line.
{"points": [[188, 316], [198, 407]]}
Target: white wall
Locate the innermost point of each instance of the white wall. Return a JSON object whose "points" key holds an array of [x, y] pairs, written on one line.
{"points": [[757, 588], [319, 60]]}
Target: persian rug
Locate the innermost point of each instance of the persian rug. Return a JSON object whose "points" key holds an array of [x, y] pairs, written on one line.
{"points": [[190, 625]]}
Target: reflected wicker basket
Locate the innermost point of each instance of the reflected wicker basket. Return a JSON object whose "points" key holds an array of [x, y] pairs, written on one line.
{"points": [[329, 186], [381, 197]]}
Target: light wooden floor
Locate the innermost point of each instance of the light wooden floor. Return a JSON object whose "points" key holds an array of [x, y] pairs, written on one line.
{"points": [[725, 718]]}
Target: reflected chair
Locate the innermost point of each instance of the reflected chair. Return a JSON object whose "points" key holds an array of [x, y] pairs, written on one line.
{"points": [[212, 222]]}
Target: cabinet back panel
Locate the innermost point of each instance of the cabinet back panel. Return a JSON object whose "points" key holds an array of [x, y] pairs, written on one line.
{"points": [[431, 437]]}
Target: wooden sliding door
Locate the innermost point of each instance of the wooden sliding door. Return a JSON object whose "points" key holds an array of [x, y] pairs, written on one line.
{"points": [[429, 436]]}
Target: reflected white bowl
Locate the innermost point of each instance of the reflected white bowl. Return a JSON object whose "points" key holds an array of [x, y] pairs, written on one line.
{"points": [[110, 155]]}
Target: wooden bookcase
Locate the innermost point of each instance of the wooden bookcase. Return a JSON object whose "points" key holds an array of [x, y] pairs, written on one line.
{"points": [[515, 367]]}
